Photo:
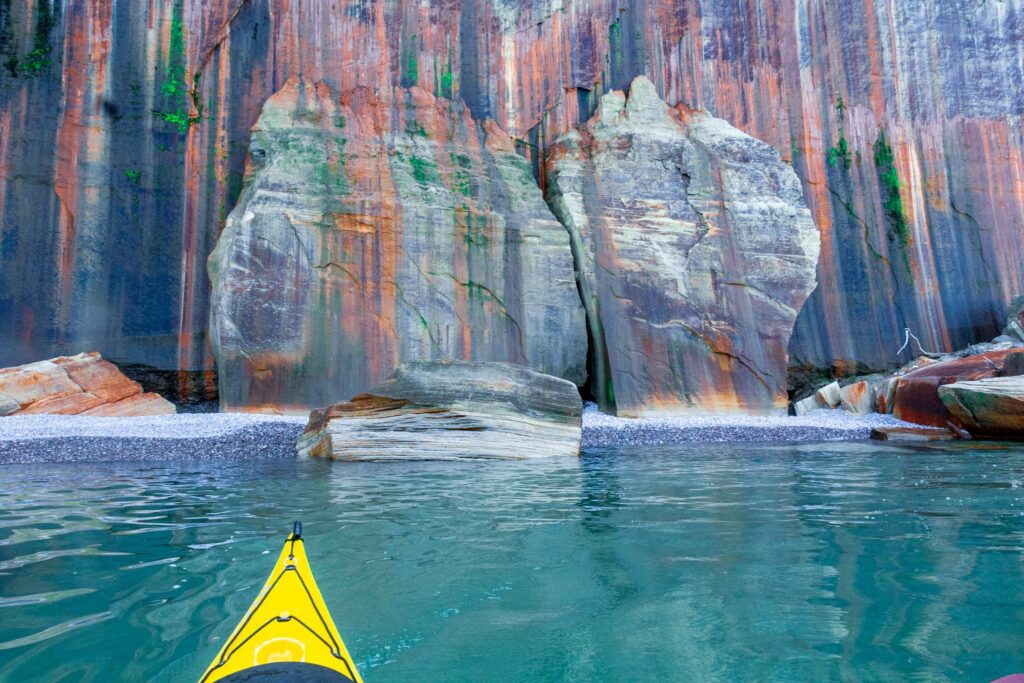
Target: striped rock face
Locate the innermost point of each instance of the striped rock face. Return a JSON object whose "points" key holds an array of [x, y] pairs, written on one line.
{"points": [[125, 126], [695, 251], [369, 235], [77, 385]]}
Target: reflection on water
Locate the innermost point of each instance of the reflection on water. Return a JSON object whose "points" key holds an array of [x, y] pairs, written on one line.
{"points": [[704, 562]]}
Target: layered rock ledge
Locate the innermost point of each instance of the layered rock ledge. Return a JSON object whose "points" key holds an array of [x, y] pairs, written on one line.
{"points": [[451, 411], [76, 385]]}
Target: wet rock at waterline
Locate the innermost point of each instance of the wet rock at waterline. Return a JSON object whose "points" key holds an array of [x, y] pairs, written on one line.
{"points": [[917, 397], [695, 251], [77, 385], [911, 434], [989, 408], [373, 231], [451, 411]]}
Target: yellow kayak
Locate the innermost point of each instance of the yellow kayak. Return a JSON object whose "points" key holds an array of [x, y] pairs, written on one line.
{"points": [[287, 634]]}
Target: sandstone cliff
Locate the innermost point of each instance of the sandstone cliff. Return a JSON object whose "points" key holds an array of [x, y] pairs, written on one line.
{"points": [[124, 129], [695, 251], [374, 231]]}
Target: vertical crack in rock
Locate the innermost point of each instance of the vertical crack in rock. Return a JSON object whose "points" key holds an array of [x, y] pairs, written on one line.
{"points": [[572, 208], [695, 251]]}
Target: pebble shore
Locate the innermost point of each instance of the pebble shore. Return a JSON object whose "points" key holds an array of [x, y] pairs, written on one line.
{"points": [[56, 438], [600, 430]]}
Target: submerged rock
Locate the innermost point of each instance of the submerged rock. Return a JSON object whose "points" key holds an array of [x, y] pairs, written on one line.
{"points": [[376, 231], [695, 252], [77, 385], [917, 392], [451, 411], [911, 434], [989, 407]]}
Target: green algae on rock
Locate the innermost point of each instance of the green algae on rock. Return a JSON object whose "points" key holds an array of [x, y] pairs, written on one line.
{"points": [[992, 408], [373, 231]]}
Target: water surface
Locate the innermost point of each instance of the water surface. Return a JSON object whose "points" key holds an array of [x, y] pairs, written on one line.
{"points": [[705, 562]]}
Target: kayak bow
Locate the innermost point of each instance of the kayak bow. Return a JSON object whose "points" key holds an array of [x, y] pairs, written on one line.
{"points": [[287, 634]]}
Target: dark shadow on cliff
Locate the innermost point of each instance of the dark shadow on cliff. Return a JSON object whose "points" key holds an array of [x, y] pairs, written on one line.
{"points": [[190, 391]]}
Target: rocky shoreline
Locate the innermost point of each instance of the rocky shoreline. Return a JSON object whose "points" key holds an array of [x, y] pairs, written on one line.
{"points": [[185, 437]]}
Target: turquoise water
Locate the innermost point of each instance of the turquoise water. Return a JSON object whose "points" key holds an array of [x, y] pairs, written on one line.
{"points": [[710, 562]]}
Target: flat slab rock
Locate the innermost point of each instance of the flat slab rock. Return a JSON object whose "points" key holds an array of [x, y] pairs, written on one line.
{"points": [[911, 434], [989, 407], [452, 411], [75, 385]]}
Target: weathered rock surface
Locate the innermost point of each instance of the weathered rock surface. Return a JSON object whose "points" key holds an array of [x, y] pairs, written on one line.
{"points": [[451, 410], [78, 385], [1015, 320], [991, 408], [911, 434], [373, 232], [808, 405], [695, 251], [1014, 365], [917, 393], [862, 398], [830, 395], [116, 174], [8, 405]]}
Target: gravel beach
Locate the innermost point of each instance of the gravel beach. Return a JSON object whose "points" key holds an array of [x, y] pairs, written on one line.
{"points": [[600, 430], [58, 438]]}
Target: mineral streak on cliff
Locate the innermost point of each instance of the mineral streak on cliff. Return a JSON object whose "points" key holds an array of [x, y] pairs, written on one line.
{"points": [[373, 231], [124, 129], [695, 251]]}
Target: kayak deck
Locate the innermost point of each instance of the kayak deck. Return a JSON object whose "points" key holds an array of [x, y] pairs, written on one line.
{"points": [[287, 634]]}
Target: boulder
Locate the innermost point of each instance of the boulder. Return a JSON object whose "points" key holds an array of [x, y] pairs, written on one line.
{"points": [[829, 395], [77, 385], [8, 405], [98, 377], [885, 395], [451, 411], [859, 398], [375, 230], [1015, 320], [917, 392], [865, 395], [27, 384], [695, 250], [807, 405], [1014, 365], [989, 408], [911, 434]]}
